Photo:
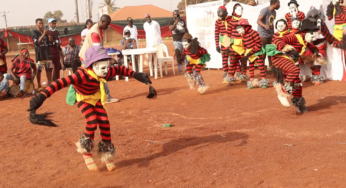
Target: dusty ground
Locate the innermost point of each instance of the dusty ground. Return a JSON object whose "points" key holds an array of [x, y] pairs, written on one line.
{"points": [[229, 137]]}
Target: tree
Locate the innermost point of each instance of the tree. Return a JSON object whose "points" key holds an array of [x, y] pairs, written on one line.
{"points": [[110, 5], [57, 15]]}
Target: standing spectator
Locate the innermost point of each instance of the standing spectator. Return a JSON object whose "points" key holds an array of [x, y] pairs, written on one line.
{"points": [[23, 68], [265, 24], [3, 51], [55, 49], [178, 28], [71, 57], [88, 25], [42, 51], [129, 43], [95, 38], [152, 32], [133, 30]]}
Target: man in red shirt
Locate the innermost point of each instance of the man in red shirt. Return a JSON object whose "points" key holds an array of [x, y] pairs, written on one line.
{"points": [[3, 51], [55, 49], [23, 68]]}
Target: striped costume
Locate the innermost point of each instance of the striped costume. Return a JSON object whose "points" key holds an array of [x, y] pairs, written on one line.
{"points": [[192, 58], [339, 18], [86, 85], [235, 57], [288, 17], [221, 28]]}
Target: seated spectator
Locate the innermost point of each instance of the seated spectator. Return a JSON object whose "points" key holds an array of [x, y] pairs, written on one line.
{"points": [[129, 43], [23, 68], [71, 57]]}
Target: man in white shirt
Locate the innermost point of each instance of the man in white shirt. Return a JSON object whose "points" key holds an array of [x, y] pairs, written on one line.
{"points": [[133, 30], [152, 32]]}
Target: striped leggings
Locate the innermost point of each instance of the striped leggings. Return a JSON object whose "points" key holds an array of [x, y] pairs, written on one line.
{"points": [[198, 68], [235, 64], [261, 67], [224, 59], [95, 115], [291, 71]]}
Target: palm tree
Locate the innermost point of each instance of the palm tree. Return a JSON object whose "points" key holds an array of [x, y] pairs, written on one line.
{"points": [[110, 5]]}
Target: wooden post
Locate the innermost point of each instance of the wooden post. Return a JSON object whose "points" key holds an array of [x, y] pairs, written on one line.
{"points": [[185, 5], [77, 15]]}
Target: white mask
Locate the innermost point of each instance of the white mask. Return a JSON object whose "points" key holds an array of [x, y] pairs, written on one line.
{"points": [[101, 68], [309, 37], [185, 44], [319, 23], [281, 26], [335, 2], [295, 24], [239, 10], [293, 8], [241, 30]]}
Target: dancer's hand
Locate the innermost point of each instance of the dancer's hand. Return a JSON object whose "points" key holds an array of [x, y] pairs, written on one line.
{"points": [[244, 59], [142, 77], [218, 49], [338, 9], [36, 102], [287, 48]]}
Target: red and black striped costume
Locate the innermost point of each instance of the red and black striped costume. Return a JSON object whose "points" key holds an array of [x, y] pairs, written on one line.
{"points": [[339, 19], [252, 40], [198, 67], [288, 17], [287, 66], [221, 30], [326, 34], [84, 84], [277, 40]]}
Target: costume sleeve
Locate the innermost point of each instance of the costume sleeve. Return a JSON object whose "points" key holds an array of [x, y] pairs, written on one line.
{"points": [[326, 34], [217, 34], [287, 16], [289, 39], [301, 16], [202, 51], [253, 40], [35, 37], [278, 43], [77, 78], [119, 70], [312, 47], [95, 39]]}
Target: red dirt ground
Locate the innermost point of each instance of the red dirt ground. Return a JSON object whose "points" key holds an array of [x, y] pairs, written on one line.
{"points": [[229, 137]]}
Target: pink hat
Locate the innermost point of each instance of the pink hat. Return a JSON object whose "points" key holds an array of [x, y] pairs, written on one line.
{"points": [[147, 15]]}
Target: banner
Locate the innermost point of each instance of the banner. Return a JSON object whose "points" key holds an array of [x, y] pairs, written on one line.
{"points": [[201, 24]]}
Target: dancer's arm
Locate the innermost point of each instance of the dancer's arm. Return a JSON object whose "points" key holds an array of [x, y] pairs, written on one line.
{"points": [[326, 34], [217, 37], [122, 70], [255, 40]]}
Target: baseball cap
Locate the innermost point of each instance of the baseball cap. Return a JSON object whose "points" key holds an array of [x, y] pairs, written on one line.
{"points": [[147, 15], [129, 18], [127, 31], [94, 54], [51, 20]]}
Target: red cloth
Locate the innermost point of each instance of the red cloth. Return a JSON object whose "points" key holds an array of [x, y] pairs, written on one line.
{"points": [[23, 68], [223, 7], [2, 46], [3, 69], [54, 48]]}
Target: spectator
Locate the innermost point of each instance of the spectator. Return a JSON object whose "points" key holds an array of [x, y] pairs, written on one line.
{"points": [[95, 38], [265, 24], [55, 49], [133, 30], [152, 32], [178, 28], [42, 51], [71, 57], [3, 51], [88, 25], [129, 43], [23, 68]]}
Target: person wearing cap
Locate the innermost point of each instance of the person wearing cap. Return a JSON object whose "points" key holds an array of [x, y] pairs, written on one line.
{"points": [[178, 28], [88, 93], [22, 68], [71, 57], [152, 32], [253, 52], [133, 30], [43, 55], [129, 43], [55, 49], [294, 13], [95, 38], [292, 48], [265, 23]]}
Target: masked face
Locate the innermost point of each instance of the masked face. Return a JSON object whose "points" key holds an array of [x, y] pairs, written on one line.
{"points": [[281, 26], [240, 30], [309, 37], [221, 13], [186, 44], [335, 2], [293, 8], [239, 10], [295, 24], [101, 68]]}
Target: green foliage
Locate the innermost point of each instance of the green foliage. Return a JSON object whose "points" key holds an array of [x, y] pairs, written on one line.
{"points": [[56, 14]]}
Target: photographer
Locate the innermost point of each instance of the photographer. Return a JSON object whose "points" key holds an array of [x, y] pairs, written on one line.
{"points": [[178, 28], [129, 43]]}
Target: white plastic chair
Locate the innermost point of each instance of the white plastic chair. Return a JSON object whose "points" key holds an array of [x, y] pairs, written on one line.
{"points": [[63, 72], [162, 48]]}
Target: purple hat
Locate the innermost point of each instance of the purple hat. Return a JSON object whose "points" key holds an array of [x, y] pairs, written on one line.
{"points": [[94, 54]]}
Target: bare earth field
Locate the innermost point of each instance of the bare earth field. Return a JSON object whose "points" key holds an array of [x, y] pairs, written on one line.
{"points": [[228, 137]]}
